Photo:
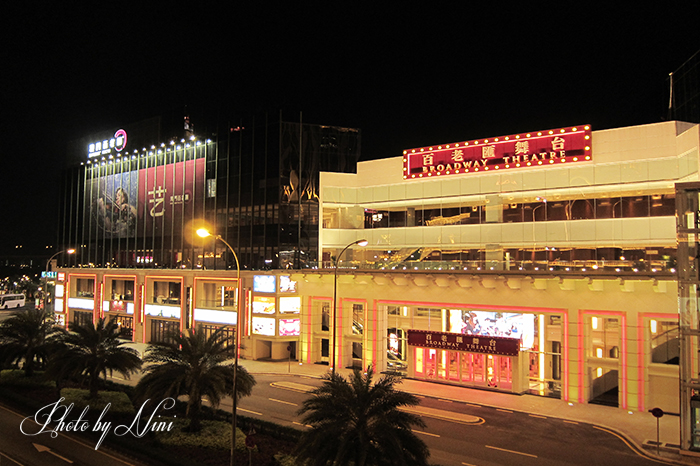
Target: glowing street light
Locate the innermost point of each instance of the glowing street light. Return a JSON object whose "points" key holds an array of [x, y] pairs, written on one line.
{"points": [[359, 242], [204, 233], [46, 276]]}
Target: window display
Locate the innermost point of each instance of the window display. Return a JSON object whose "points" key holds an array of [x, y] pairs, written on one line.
{"points": [[495, 324]]}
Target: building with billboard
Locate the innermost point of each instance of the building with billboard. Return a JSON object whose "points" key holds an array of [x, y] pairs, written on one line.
{"points": [[135, 200], [543, 262]]}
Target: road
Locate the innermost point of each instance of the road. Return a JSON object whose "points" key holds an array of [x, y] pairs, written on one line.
{"points": [[42, 450], [461, 434]]}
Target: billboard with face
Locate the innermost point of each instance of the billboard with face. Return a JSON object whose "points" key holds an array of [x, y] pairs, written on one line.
{"points": [[146, 201]]}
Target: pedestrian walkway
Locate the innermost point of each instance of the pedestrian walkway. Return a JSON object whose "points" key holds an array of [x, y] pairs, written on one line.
{"points": [[635, 428]]}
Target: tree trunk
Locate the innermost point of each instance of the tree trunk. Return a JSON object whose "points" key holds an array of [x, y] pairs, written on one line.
{"points": [[94, 385], [29, 364]]}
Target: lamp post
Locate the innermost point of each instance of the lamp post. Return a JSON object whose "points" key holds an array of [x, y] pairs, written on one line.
{"points": [[46, 276], [359, 242], [203, 232]]}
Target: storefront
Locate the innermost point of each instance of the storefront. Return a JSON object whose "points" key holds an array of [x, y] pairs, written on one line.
{"points": [[475, 361]]}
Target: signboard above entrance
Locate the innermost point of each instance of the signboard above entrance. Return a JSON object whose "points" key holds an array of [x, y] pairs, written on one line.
{"points": [[537, 148], [459, 342]]}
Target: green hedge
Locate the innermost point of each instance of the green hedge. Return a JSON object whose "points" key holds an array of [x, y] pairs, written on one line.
{"points": [[16, 378], [214, 434], [120, 402]]}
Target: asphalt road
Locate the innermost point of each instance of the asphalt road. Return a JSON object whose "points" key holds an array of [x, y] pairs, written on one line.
{"points": [[461, 434], [42, 450]]}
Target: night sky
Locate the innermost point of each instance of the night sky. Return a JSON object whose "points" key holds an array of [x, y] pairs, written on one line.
{"points": [[406, 76]]}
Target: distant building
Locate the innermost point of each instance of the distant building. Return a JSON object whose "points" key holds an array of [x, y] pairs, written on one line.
{"points": [[684, 102]]}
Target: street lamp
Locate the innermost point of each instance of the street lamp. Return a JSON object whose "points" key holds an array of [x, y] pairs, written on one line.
{"points": [[359, 242], [204, 233], [46, 276]]}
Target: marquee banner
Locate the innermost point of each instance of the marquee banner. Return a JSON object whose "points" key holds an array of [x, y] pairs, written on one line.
{"points": [[459, 342], [537, 148]]}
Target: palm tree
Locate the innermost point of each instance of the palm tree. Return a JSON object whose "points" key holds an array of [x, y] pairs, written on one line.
{"points": [[195, 365], [356, 422], [25, 336], [91, 350]]}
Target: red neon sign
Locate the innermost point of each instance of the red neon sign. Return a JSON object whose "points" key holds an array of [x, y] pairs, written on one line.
{"points": [[538, 148]]}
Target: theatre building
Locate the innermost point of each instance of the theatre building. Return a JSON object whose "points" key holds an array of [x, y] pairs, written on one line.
{"points": [[542, 262]]}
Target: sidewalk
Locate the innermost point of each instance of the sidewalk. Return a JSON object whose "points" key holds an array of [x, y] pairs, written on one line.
{"points": [[638, 429]]}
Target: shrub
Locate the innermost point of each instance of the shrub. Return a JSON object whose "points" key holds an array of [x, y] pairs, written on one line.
{"points": [[121, 404], [214, 434], [16, 378]]}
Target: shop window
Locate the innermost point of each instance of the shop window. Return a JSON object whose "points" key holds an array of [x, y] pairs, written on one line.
{"points": [[358, 319], [664, 342], [166, 293], [356, 350], [126, 327], [396, 348], [85, 287], [122, 290], [605, 337], [217, 296], [325, 316]]}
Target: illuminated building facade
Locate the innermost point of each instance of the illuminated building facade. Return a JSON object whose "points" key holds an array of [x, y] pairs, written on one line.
{"points": [[540, 263], [135, 199]]}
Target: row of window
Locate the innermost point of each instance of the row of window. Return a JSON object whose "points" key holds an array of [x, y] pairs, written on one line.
{"points": [[660, 205]]}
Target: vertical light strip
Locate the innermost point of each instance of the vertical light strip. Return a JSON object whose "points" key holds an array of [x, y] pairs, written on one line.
{"points": [[309, 313], [249, 311], [623, 322], [581, 377], [376, 339], [640, 362], [541, 354], [97, 290], [142, 299], [565, 354]]}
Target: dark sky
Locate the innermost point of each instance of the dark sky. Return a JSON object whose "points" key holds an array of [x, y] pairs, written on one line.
{"points": [[407, 76]]}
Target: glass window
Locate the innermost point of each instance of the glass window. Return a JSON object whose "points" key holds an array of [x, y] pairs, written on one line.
{"points": [[85, 287], [605, 337], [166, 293], [665, 342], [123, 290], [325, 316], [212, 295], [358, 319]]}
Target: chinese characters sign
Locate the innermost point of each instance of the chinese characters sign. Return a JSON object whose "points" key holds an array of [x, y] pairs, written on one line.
{"points": [[108, 146], [539, 148], [459, 342]]}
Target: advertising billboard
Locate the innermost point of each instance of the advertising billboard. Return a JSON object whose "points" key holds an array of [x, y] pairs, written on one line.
{"points": [[495, 324], [144, 201]]}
